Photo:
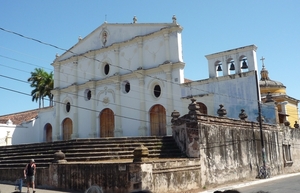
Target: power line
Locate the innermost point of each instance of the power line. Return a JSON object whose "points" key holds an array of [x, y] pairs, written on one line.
{"points": [[48, 44]]}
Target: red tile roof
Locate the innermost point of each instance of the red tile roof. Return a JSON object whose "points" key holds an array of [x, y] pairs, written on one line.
{"points": [[18, 118], [187, 80]]}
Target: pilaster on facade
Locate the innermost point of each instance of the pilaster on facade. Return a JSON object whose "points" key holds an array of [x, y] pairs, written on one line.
{"points": [[56, 74], [116, 49], [57, 126], [75, 115], [118, 127], [143, 114], [167, 45], [92, 86], [140, 47]]}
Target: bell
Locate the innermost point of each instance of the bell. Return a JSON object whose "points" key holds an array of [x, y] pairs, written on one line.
{"points": [[244, 65], [219, 68], [232, 66]]}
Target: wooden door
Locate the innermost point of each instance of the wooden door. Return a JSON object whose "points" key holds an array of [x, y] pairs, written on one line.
{"points": [[48, 130], [158, 120], [107, 123], [67, 129]]}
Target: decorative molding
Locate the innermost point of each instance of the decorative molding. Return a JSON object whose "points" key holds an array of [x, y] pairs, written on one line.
{"points": [[134, 40], [105, 92]]}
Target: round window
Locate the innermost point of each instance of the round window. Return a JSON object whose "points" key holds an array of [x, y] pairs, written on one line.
{"points": [[87, 94], [68, 107], [125, 87], [106, 69], [157, 91]]}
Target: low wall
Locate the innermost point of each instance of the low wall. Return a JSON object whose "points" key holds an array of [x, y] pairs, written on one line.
{"points": [[171, 176], [159, 176], [230, 150]]}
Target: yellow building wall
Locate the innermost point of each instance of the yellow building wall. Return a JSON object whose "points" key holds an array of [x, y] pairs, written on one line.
{"points": [[292, 111], [272, 90]]}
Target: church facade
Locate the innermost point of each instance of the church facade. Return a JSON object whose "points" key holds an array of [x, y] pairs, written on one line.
{"points": [[125, 80]]}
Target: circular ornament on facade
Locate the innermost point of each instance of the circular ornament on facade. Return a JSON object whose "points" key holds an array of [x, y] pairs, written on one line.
{"points": [[105, 101]]}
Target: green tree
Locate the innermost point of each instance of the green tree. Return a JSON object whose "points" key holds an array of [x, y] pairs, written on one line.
{"points": [[42, 84]]}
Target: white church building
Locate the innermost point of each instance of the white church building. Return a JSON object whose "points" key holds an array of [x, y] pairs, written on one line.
{"points": [[127, 79]]}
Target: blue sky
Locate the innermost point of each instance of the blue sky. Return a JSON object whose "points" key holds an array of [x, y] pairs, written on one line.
{"points": [[209, 26]]}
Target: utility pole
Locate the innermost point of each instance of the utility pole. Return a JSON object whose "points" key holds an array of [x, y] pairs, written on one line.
{"points": [[263, 170]]}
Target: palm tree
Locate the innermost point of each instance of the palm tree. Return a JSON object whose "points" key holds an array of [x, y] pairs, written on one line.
{"points": [[42, 82]]}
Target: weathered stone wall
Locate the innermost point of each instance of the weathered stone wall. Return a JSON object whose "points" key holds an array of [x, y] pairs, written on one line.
{"points": [[171, 176], [231, 150], [158, 176]]}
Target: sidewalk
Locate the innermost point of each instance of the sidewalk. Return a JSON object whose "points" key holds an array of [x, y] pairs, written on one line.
{"points": [[9, 188]]}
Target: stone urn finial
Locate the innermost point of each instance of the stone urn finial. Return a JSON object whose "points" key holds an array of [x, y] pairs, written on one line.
{"points": [[140, 154], [174, 19], [296, 125], [134, 19], [243, 116], [222, 111], [59, 157], [175, 115], [287, 123]]}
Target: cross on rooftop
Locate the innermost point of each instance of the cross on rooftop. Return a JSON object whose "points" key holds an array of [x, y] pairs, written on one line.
{"points": [[262, 59]]}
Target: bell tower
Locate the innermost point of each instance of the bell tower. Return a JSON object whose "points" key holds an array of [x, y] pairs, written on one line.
{"points": [[233, 61]]}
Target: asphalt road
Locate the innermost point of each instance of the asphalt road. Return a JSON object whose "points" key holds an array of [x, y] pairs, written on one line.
{"points": [[277, 184], [288, 185]]}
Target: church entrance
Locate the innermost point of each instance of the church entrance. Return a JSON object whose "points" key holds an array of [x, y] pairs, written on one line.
{"points": [[158, 120], [67, 129], [107, 123], [48, 131]]}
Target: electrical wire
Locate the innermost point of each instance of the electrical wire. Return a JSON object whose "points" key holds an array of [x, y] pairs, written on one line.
{"points": [[48, 44]]}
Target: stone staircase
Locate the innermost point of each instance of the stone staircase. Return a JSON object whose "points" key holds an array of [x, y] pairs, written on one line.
{"points": [[87, 150]]}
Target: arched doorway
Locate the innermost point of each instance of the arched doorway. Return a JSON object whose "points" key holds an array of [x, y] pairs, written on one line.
{"points": [[48, 131], [107, 123], [67, 129], [158, 121]]}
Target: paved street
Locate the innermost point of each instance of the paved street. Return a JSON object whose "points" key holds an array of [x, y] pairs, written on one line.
{"points": [[277, 184], [8, 188]]}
